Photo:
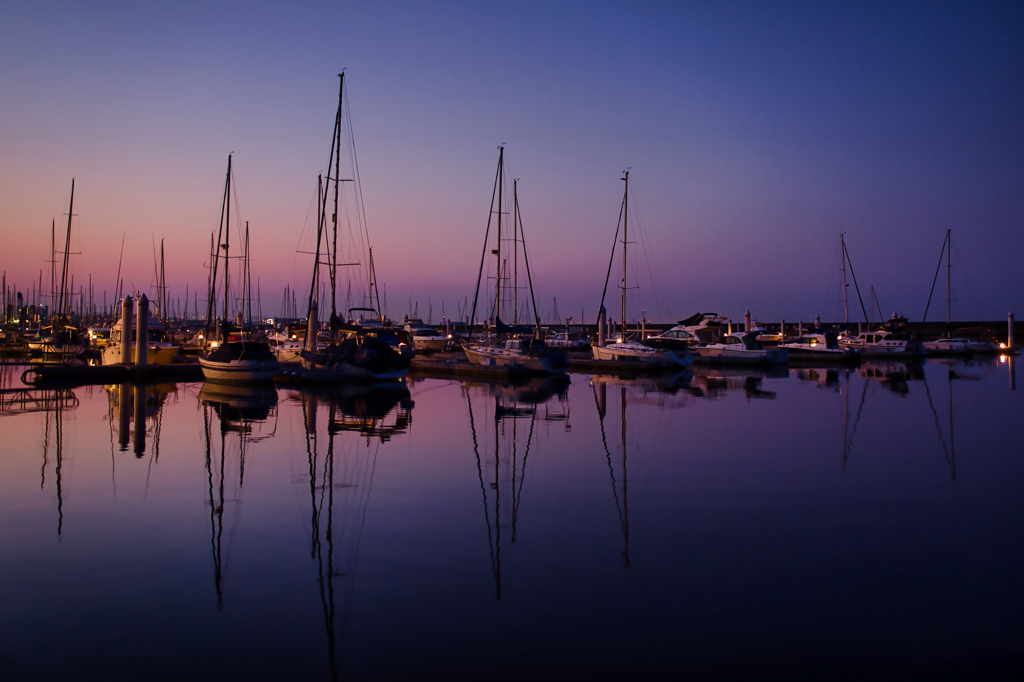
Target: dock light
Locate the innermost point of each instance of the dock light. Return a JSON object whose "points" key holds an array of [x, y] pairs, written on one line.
{"points": [[1002, 345], [449, 336], [213, 344], [618, 340]]}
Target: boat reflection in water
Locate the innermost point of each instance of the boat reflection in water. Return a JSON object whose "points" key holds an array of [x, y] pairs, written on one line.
{"points": [[244, 416], [503, 423], [359, 418]]}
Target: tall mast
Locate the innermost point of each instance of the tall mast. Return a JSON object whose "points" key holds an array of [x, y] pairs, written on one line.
{"points": [[625, 240], [846, 305], [949, 315], [53, 267], [515, 252], [248, 275], [67, 250], [227, 240], [497, 281], [337, 185]]}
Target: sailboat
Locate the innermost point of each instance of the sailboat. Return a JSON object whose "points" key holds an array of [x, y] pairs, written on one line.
{"points": [[233, 358], [63, 343], [364, 348], [949, 345], [517, 347], [621, 348]]}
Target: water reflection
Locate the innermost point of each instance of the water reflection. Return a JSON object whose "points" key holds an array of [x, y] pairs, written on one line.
{"points": [[340, 483], [705, 482]]}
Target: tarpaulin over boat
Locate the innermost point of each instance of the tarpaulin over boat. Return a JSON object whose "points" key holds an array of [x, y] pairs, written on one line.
{"points": [[502, 328], [695, 320]]}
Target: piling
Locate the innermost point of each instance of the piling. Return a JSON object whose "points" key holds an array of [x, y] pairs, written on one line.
{"points": [[126, 330], [142, 333], [782, 331], [817, 322], [1009, 331], [800, 328], [746, 321]]}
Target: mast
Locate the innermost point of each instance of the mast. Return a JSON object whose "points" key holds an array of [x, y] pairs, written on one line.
{"points": [[625, 240], [53, 267], [337, 185], [846, 305], [67, 249], [248, 276], [515, 252], [949, 315], [497, 281], [227, 242]]}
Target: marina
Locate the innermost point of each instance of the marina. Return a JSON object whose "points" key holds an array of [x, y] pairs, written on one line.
{"points": [[686, 395]]}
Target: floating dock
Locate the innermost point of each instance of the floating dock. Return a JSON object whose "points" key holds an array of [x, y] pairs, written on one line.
{"points": [[104, 374]]}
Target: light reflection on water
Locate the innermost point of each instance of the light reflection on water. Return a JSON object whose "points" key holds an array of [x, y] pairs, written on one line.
{"points": [[807, 521]]}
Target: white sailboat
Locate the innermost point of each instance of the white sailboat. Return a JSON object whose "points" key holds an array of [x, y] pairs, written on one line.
{"points": [[621, 348]]}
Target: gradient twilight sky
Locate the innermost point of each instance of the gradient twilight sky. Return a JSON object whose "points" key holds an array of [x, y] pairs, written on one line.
{"points": [[755, 132]]}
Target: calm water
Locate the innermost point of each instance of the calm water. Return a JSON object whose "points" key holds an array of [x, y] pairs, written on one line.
{"points": [[813, 523]]}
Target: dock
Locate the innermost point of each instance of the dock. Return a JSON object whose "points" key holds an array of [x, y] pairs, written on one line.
{"points": [[103, 374]]}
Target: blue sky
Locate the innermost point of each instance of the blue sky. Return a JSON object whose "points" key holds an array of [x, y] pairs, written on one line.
{"points": [[755, 133]]}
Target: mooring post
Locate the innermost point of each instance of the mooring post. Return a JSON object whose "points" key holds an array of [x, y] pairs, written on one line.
{"points": [[1009, 331], [800, 328], [817, 322], [746, 321], [142, 334], [782, 331], [126, 330]]}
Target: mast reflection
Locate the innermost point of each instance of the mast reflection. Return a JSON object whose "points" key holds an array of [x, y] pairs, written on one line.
{"points": [[503, 475], [341, 482], [601, 401], [241, 412]]}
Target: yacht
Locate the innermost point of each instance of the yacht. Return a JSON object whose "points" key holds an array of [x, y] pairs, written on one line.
{"points": [[819, 346], [742, 347], [424, 337], [523, 354], [891, 339]]}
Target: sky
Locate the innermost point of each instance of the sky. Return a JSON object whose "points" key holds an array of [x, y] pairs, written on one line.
{"points": [[754, 133]]}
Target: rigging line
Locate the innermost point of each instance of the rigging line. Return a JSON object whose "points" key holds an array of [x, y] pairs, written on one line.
{"points": [[480, 473], [608, 455], [487, 235], [526, 258], [370, 272], [856, 421], [652, 269], [832, 270], [611, 260], [963, 276], [935, 414], [522, 473], [935, 279], [862, 308]]}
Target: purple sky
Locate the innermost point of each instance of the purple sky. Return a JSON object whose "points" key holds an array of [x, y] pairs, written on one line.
{"points": [[755, 134]]}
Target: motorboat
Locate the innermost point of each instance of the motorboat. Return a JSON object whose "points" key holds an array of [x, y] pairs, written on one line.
{"points": [[819, 346], [239, 361], [620, 350], [959, 346], [159, 349], [424, 337], [568, 340], [742, 348], [891, 339], [520, 354]]}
